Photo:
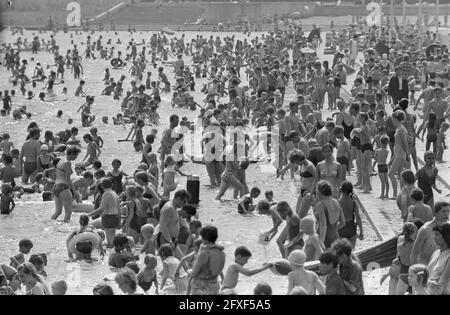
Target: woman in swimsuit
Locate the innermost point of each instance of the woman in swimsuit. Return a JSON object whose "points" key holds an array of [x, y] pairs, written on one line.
{"points": [[400, 149], [307, 175], [351, 215], [63, 186], [228, 176], [328, 214], [426, 178], [116, 175], [329, 170]]}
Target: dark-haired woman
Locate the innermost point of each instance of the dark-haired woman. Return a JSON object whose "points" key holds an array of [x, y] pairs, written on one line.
{"points": [[351, 214], [328, 213]]}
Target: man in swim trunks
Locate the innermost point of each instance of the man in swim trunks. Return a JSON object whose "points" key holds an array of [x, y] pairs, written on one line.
{"points": [[169, 226], [29, 154], [109, 211], [168, 139]]}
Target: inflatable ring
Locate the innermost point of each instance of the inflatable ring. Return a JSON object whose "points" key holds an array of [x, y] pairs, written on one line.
{"points": [[281, 267], [91, 237], [117, 63]]}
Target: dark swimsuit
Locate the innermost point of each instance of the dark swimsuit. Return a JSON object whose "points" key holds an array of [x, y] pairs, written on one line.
{"points": [[347, 130], [305, 174], [349, 230], [146, 286], [332, 230]]}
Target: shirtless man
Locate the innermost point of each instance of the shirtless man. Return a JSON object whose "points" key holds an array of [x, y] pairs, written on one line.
{"points": [[109, 211], [168, 139], [292, 120], [169, 225], [439, 106], [424, 245], [29, 154], [323, 135]]}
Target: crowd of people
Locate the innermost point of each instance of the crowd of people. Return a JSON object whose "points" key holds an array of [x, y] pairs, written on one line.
{"points": [[370, 128]]}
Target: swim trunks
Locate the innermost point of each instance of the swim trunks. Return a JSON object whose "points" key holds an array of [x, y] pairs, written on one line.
{"points": [[110, 221]]}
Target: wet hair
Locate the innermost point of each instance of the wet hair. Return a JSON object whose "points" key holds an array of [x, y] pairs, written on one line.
{"points": [[242, 251], [209, 233], [408, 177], [417, 194], [262, 288], [329, 257], [84, 220], [444, 229], [142, 176], [165, 251], [324, 188]]}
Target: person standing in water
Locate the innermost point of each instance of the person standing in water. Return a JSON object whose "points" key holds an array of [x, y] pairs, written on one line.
{"points": [[64, 190]]}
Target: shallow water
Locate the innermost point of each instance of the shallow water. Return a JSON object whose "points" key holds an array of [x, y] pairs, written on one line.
{"points": [[31, 218]]}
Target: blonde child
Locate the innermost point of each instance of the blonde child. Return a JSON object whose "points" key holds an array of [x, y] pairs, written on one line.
{"points": [[418, 278], [170, 264], [147, 232], [299, 276], [313, 247], [147, 276], [381, 156], [169, 181]]}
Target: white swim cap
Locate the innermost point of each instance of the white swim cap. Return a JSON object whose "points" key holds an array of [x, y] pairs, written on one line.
{"points": [[44, 147]]}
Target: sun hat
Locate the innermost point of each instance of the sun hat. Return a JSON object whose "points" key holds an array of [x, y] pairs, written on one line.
{"points": [[297, 257]]}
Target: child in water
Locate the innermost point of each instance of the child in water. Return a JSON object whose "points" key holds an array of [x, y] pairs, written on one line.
{"points": [[7, 204], [92, 151], [147, 276], [246, 203], [241, 257], [299, 276], [170, 264], [313, 247]]}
